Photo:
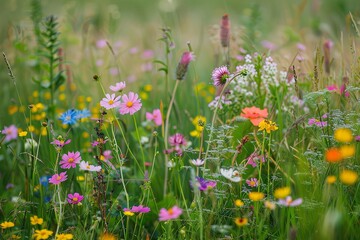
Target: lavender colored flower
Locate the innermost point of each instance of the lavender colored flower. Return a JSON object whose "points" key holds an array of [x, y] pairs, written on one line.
{"points": [[288, 202], [205, 184], [11, 133], [357, 138], [220, 75]]}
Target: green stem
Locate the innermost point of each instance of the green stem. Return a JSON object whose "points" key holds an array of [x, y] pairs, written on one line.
{"points": [[141, 148], [167, 133]]}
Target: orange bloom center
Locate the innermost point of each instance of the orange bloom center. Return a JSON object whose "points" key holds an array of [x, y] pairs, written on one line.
{"points": [[129, 104], [111, 102], [71, 160], [88, 167], [58, 178], [170, 211], [75, 199]]}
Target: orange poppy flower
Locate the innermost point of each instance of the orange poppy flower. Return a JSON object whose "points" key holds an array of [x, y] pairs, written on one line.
{"points": [[333, 155], [254, 114]]}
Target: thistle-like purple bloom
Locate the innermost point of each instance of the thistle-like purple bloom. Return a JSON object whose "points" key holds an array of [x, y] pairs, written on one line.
{"points": [[183, 65], [220, 75], [205, 184]]}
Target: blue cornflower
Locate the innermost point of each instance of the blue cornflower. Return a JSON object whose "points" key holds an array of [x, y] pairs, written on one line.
{"points": [[83, 113], [69, 117]]}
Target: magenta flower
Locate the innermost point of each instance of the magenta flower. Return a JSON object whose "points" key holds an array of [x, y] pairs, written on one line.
{"points": [[56, 179], [357, 138], [110, 101], [168, 214], [155, 116], [70, 160], [118, 87], [177, 140], [254, 158], [130, 104], [220, 75], [332, 87], [253, 182], [60, 143], [314, 121], [288, 202], [106, 155], [98, 141], [87, 167], [11, 132], [140, 209], [183, 65], [75, 198], [205, 184]]}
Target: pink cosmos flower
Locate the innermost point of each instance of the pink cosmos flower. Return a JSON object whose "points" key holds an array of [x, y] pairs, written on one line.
{"points": [[138, 209], [98, 141], [254, 158], [288, 202], [197, 162], [147, 54], [106, 155], [101, 43], [11, 132], [130, 104], [70, 160], [172, 213], [110, 101], [155, 116], [220, 75], [75, 198], [87, 167], [118, 87], [253, 182], [60, 143], [114, 71], [56, 179]]}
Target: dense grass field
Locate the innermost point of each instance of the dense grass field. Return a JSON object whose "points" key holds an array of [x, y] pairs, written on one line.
{"points": [[172, 119]]}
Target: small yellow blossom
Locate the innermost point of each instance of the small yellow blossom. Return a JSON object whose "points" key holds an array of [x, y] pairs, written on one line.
{"points": [[5, 225], [36, 220], [15, 237], [88, 99], [343, 135], [80, 178], [47, 95], [64, 236], [85, 135], [239, 203], [240, 222], [12, 109], [144, 95], [42, 234], [269, 205], [331, 179], [128, 213], [267, 125], [347, 151], [107, 236], [35, 94], [148, 88], [62, 96], [23, 133], [348, 177], [256, 196], [281, 193]]}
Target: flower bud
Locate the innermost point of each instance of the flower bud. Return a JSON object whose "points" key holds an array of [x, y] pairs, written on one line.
{"points": [[225, 31], [183, 65]]}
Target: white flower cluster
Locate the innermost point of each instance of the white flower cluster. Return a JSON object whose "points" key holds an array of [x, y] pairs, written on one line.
{"points": [[218, 103]]}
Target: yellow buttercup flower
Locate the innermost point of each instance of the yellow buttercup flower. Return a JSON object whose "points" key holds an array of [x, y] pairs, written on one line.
{"points": [[343, 135], [267, 125], [347, 151], [107, 236], [42, 234], [239, 203], [348, 177], [128, 213], [63, 236], [5, 225], [23, 133], [36, 220], [256, 196], [281, 193], [240, 222], [330, 179], [12, 109], [148, 88]]}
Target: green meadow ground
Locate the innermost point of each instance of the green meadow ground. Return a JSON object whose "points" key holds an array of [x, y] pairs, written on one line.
{"points": [[267, 103]]}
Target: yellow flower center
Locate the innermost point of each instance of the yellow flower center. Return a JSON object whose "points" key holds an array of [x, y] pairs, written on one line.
{"points": [[71, 160], [111, 102], [58, 178], [88, 167], [129, 104], [75, 199], [170, 211]]}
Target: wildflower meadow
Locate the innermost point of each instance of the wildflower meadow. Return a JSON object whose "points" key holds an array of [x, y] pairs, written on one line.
{"points": [[171, 119]]}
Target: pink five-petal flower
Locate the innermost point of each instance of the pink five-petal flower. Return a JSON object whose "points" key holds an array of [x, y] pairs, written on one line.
{"points": [[56, 179], [155, 116], [11, 132], [75, 198], [70, 160], [252, 182], [118, 87], [288, 202], [130, 104], [60, 143], [140, 209], [171, 213], [110, 101]]}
